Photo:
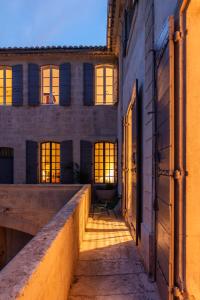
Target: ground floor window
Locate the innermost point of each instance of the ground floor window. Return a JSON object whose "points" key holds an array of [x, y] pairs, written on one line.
{"points": [[105, 162], [50, 162]]}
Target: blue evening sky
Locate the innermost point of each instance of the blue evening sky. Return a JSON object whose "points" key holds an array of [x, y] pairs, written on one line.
{"points": [[52, 22]]}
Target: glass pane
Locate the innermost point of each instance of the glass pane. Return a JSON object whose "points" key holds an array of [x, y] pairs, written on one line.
{"points": [[109, 99], [55, 72], [1, 73], [55, 81], [55, 90], [8, 73], [99, 90], [109, 90], [99, 99], [46, 72], [109, 81], [99, 81], [109, 72], [1, 100], [99, 71], [1, 92], [8, 82], [46, 82], [1, 82]]}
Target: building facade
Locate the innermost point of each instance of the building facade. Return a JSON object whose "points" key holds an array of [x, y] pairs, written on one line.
{"points": [[126, 115]]}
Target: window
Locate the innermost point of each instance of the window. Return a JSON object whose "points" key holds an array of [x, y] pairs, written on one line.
{"points": [[50, 162], [50, 85], [104, 85], [105, 162], [5, 85]]}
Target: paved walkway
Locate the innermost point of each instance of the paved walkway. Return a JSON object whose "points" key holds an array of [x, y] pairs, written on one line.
{"points": [[109, 266]]}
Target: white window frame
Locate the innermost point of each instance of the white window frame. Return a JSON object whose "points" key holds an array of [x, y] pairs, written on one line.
{"points": [[50, 67], [4, 68], [104, 67]]}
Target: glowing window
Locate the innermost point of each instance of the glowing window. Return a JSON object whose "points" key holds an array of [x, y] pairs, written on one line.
{"points": [[5, 85], [50, 162], [104, 85], [105, 166], [50, 85]]}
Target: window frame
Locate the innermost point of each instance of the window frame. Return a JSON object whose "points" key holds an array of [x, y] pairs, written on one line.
{"points": [[50, 163], [104, 162], [50, 67], [4, 68], [104, 67]]}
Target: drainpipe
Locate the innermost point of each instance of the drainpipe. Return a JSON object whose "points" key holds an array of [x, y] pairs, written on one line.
{"points": [[180, 173]]}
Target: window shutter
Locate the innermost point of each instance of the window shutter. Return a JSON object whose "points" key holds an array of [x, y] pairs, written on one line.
{"points": [[33, 84], [86, 161], [88, 78], [66, 160], [17, 85], [65, 84], [31, 162]]}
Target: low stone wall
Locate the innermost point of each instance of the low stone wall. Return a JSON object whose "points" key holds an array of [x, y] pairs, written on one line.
{"points": [[28, 207], [44, 268]]}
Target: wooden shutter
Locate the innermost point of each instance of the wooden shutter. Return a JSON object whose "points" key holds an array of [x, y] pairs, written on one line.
{"points": [[88, 83], [65, 84], [86, 161], [33, 84], [66, 160], [17, 85], [165, 159], [31, 162]]}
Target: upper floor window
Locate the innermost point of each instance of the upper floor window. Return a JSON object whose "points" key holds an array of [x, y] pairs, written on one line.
{"points": [[50, 162], [104, 85], [105, 162], [5, 85], [50, 85]]}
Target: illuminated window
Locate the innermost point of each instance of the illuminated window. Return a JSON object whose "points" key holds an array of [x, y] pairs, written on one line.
{"points": [[5, 85], [50, 162], [50, 85], [104, 85], [105, 162]]}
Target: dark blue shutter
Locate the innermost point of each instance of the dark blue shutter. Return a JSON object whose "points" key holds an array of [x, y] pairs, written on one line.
{"points": [[17, 85], [88, 84], [66, 161], [33, 84], [86, 158], [31, 162], [65, 84]]}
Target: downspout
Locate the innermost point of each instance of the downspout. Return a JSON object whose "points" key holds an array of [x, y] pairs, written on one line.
{"points": [[180, 175]]}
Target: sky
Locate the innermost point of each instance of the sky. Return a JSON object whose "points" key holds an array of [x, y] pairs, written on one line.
{"points": [[52, 22]]}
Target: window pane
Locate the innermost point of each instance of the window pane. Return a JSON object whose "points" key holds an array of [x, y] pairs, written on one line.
{"points": [[99, 71], [55, 81], [46, 81], [109, 81], [109, 90], [50, 167], [1, 73], [46, 72], [55, 72], [99, 81], [109, 99], [99, 99], [1, 100], [1, 92], [109, 72], [99, 90], [8, 73], [1, 82]]}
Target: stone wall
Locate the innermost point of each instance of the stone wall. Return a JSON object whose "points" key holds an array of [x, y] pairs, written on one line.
{"points": [[43, 269], [56, 123]]}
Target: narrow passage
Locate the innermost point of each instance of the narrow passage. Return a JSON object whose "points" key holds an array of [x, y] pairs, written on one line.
{"points": [[109, 266]]}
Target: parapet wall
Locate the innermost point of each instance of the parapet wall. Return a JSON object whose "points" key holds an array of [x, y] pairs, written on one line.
{"points": [[28, 207], [43, 269]]}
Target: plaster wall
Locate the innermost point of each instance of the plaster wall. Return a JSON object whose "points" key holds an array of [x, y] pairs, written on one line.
{"points": [[192, 234], [49, 259], [56, 123]]}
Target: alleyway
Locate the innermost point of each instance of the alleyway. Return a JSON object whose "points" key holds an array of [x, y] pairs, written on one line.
{"points": [[109, 266]]}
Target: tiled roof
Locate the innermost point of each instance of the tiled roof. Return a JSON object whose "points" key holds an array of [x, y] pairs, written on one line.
{"points": [[53, 49]]}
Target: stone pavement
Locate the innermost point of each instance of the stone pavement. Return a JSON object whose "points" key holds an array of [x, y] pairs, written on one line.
{"points": [[109, 266]]}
